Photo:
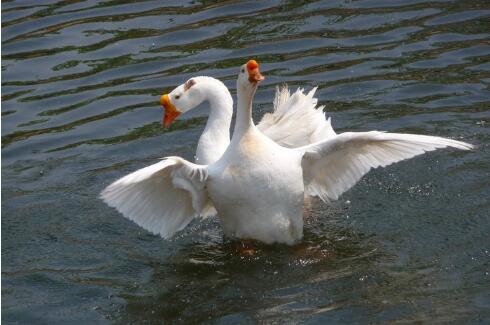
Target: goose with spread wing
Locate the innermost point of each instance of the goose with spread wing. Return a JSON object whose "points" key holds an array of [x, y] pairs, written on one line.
{"points": [[257, 186], [294, 121]]}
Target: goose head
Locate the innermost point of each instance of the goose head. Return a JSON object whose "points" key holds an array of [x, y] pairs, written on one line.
{"points": [[249, 77], [180, 100]]}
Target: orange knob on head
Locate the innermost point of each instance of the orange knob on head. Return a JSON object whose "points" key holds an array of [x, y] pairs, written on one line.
{"points": [[253, 71]]}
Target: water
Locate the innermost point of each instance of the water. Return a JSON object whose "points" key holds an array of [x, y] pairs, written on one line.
{"points": [[80, 87]]}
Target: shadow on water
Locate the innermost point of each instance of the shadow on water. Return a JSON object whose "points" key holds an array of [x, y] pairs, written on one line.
{"points": [[81, 82]]}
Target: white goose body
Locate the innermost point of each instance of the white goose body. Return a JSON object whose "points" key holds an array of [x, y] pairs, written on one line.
{"points": [[257, 186]]}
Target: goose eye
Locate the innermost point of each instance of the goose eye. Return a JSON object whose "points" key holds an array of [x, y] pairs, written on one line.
{"points": [[177, 96], [243, 70]]}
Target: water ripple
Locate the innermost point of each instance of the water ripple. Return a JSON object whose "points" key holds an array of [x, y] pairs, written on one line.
{"points": [[80, 87]]}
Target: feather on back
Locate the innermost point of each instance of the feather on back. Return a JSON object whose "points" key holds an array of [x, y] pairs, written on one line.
{"points": [[296, 120]]}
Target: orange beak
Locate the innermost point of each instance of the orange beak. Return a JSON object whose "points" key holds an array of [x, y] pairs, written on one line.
{"points": [[171, 111], [253, 71]]}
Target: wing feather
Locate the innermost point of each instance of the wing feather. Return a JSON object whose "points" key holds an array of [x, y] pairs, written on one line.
{"points": [[333, 166], [162, 198], [296, 120]]}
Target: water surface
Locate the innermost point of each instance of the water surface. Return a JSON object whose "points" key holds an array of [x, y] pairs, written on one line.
{"points": [[80, 87]]}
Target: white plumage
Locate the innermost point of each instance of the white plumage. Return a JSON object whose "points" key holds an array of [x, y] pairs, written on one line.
{"points": [[162, 198], [257, 186], [296, 120], [333, 166]]}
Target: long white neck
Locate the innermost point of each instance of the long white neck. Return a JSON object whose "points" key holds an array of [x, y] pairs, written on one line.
{"points": [[244, 120], [216, 136]]}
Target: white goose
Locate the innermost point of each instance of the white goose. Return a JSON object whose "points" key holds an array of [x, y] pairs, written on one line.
{"points": [[258, 186], [295, 120]]}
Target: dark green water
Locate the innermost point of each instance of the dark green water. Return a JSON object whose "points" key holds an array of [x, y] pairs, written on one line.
{"points": [[80, 87]]}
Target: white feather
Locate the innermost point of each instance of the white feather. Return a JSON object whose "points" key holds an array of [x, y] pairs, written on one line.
{"points": [[296, 120], [162, 198], [333, 166]]}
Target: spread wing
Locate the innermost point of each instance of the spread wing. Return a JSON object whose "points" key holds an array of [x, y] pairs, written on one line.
{"points": [[162, 198], [296, 120], [333, 166]]}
